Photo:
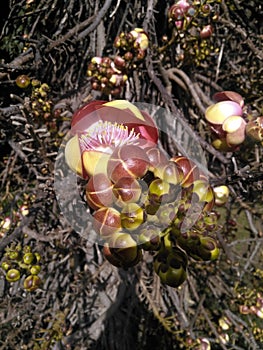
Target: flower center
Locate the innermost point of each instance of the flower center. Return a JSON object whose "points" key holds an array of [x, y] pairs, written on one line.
{"points": [[105, 136]]}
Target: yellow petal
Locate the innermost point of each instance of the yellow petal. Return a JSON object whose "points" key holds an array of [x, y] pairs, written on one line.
{"points": [[73, 155], [123, 104], [95, 162]]}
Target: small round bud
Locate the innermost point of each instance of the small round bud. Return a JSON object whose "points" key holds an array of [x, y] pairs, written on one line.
{"points": [[106, 221], [124, 248], [208, 249], [13, 255], [156, 157], [158, 191], [22, 81], [35, 269], [128, 56], [28, 258], [171, 266], [132, 216], [127, 161], [99, 191], [5, 266], [221, 195], [206, 32], [119, 62], [31, 283], [189, 168], [171, 172], [127, 190], [12, 275]]}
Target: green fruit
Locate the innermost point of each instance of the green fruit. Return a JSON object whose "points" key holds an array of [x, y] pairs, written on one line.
{"points": [[12, 275], [171, 266], [208, 249], [123, 249]]}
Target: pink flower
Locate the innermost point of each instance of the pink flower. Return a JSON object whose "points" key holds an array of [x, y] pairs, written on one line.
{"points": [[99, 127]]}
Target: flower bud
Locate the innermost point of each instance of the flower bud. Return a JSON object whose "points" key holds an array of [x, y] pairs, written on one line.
{"points": [[254, 129], [205, 193], [159, 191], [99, 191], [5, 266], [132, 216], [127, 190], [28, 258], [127, 161], [171, 268], [31, 283], [208, 249], [119, 62], [170, 172], [23, 81], [12, 275], [156, 157], [206, 32], [35, 270], [221, 195], [190, 170], [124, 249], [106, 221]]}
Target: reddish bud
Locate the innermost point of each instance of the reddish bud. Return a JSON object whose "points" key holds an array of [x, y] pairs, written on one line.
{"points": [[127, 161], [99, 191]]}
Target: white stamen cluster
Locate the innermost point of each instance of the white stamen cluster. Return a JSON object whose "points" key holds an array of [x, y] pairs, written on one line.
{"points": [[105, 136]]}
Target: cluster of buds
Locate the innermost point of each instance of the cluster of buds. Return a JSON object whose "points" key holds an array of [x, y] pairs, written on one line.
{"points": [[21, 262], [12, 219], [193, 21], [109, 75], [184, 14], [105, 76], [141, 199], [40, 103], [255, 309], [229, 123]]}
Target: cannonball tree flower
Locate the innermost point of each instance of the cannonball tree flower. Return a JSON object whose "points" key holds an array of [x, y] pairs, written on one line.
{"points": [[99, 127], [226, 121]]}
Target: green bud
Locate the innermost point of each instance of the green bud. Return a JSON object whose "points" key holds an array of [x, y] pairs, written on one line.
{"points": [[14, 255], [35, 269], [5, 266], [38, 257], [12, 275], [132, 216], [28, 258]]}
